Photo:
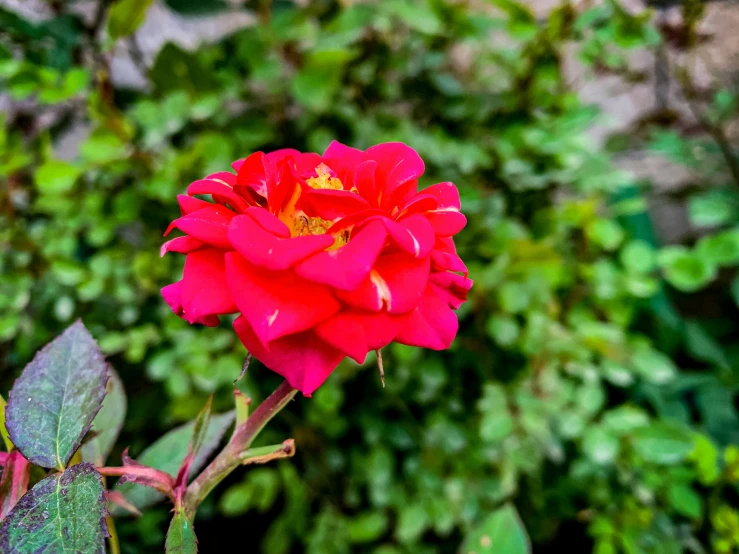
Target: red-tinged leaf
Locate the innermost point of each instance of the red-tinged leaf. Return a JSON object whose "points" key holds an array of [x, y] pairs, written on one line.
{"points": [[14, 482], [114, 497], [134, 472]]}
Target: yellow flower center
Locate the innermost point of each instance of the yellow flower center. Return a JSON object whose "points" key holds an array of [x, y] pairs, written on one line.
{"points": [[324, 179]]}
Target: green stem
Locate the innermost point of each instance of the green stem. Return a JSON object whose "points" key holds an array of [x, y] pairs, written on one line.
{"points": [[115, 547], [231, 456]]}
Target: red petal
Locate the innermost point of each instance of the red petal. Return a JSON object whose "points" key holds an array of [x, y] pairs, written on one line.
{"points": [[446, 193], [188, 204], [346, 267], [253, 172], [277, 303], [345, 331], [413, 234], [366, 182], [219, 190], [451, 287], [204, 287], [447, 261], [182, 245], [344, 161], [432, 324], [399, 166], [269, 222], [303, 359], [209, 224], [262, 248], [418, 204], [331, 204], [397, 283], [446, 221]]}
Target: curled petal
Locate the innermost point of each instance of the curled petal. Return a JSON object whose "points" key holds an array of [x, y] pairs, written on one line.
{"points": [[399, 167], [446, 221], [418, 204], [182, 245], [188, 204], [343, 160], [219, 190], [269, 222], [446, 193], [331, 205], [432, 324], [303, 359], [276, 303], [173, 297], [396, 284], [209, 224], [253, 172], [204, 287], [413, 234], [346, 267], [262, 248], [451, 287], [447, 261]]}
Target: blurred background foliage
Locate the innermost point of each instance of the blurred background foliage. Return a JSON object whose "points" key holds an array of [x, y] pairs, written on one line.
{"points": [[589, 403]]}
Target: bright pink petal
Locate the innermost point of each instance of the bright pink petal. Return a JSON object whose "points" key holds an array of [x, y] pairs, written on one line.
{"points": [[418, 204], [346, 267], [396, 283], [343, 160], [277, 303], [451, 287], [264, 249], [447, 261], [432, 324], [399, 167], [182, 245], [219, 190], [303, 359], [446, 193], [173, 297], [209, 224], [188, 204], [345, 331], [269, 222], [204, 287], [367, 184], [360, 217], [413, 234], [253, 173], [331, 205], [446, 221]]}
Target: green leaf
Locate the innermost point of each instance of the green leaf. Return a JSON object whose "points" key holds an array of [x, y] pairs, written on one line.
{"points": [[3, 429], [65, 512], [605, 233], [685, 500], [167, 453], [412, 522], [54, 401], [502, 532], [319, 79], [662, 443], [638, 257], [684, 270], [653, 365], [108, 423], [721, 249], [713, 208], [367, 527], [181, 536], [56, 177], [125, 16], [502, 329], [600, 446]]}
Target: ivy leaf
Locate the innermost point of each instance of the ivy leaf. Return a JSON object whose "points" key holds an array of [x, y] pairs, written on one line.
{"points": [[52, 404], [108, 423], [502, 533], [167, 453], [126, 16], [64, 512], [181, 536]]}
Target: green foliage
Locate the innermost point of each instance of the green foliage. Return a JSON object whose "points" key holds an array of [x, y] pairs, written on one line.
{"points": [[107, 423], [54, 401], [593, 384], [62, 513], [181, 536]]}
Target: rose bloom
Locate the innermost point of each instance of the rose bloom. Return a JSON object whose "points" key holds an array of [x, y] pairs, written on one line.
{"points": [[322, 256]]}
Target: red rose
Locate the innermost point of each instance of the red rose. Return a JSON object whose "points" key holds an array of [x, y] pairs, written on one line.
{"points": [[322, 256]]}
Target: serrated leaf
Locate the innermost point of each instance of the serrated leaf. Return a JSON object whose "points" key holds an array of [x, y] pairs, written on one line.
{"points": [[53, 403], [167, 454], [125, 16], [502, 533], [107, 423], [181, 536], [65, 512]]}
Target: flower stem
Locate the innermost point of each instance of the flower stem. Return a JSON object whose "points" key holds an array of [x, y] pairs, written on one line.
{"points": [[231, 456]]}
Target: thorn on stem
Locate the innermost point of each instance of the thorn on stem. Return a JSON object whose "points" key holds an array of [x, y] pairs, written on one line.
{"points": [[380, 367], [247, 361]]}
